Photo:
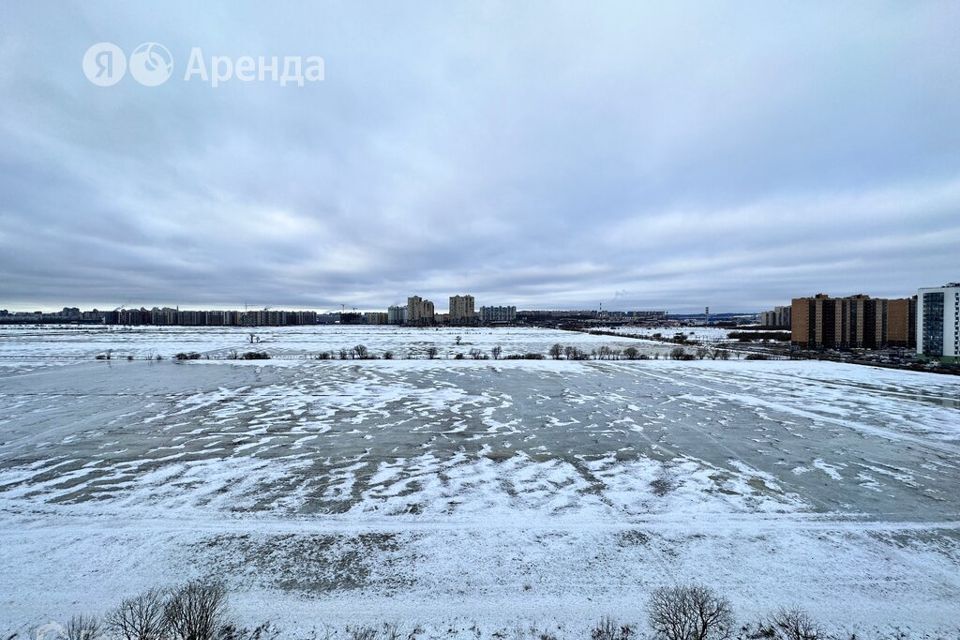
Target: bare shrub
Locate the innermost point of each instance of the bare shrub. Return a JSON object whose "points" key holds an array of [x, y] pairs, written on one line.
{"points": [[82, 627], [496, 351], [196, 611], [140, 617], [432, 352], [692, 612], [387, 631], [795, 624], [608, 629], [661, 486], [263, 632]]}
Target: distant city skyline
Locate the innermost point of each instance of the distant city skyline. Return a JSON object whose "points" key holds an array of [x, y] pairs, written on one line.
{"points": [[675, 156]]}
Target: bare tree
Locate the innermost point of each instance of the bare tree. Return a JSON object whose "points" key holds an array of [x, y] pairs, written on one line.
{"points": [[476, 354], [631, 353], [360, 352], [196, 611], [556, 351], [82, 627], [431, 352], [388, 355], [140, 617], [702, 353], [692, 612], [496, 351], [458, 340], [795, 624]]}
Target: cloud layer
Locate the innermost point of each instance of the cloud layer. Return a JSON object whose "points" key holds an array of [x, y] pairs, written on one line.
{"points": [[538, 154]]}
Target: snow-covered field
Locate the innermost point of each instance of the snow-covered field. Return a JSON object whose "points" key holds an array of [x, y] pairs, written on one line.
{"points": [[699, 334], [443, 492], [29, 347]]}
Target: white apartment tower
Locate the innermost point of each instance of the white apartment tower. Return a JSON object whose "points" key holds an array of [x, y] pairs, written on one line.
{"points": [[938, 322]]}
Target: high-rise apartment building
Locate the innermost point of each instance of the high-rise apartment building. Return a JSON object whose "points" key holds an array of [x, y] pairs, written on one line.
{"points": [[375, 317], [396, 315], [498, 314], [419, 311], [855, 322], [461, 309], [902, 322], [938, 322]]}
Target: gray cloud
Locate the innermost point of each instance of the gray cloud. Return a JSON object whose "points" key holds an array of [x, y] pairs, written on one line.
{"points": [[730, 154]]}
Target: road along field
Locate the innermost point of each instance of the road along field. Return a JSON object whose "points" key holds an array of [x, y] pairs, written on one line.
{"points": [[444, 492]]}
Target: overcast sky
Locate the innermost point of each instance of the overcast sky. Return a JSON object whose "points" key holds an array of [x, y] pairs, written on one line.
{"points": [[643, 155]]}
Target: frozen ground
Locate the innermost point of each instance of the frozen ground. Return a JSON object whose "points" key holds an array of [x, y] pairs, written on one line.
{"points": [[443, 492]]}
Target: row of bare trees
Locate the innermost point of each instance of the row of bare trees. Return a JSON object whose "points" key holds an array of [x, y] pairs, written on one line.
{"points": [[697, 612], [361, 352], [605, 352], [198, 611], [194, 611], [556, 351]]}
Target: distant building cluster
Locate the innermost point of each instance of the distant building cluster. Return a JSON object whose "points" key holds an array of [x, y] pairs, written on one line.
{"points": [[928, 322], [589, 316], [165, 316], [778, 318], [461, 311]]}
